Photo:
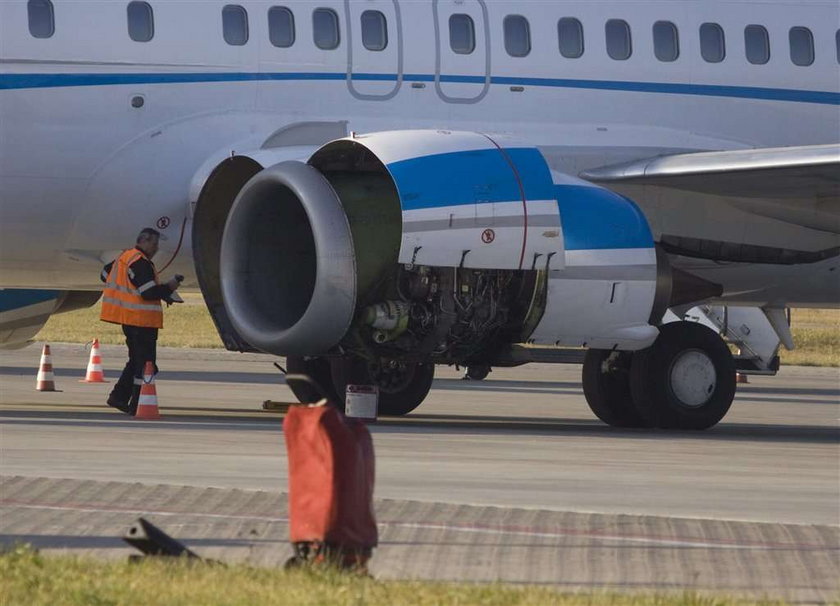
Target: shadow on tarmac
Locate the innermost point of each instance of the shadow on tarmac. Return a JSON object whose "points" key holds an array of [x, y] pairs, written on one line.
{"points": [[191, 418]]}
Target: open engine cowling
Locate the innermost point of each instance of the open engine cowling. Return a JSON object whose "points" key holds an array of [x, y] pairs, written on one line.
{"points": [[433, 242]]}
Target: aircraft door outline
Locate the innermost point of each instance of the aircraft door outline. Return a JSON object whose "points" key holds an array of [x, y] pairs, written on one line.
{"points": [[462, 78], [369, 71]]}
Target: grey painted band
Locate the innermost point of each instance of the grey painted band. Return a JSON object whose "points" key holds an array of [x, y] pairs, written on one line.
{"points": [[481, 223], [616, 273]]}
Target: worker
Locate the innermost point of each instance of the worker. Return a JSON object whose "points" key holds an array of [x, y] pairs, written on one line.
{"points": [[132, 299]]}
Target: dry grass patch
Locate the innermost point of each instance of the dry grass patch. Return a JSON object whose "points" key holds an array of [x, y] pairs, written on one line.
{"points": [[816, 334], [27, 578], [184, 325]]}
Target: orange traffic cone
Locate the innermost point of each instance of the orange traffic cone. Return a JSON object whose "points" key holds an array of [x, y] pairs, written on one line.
{"points": [[94, 368], [46, 379], [147, 406]]}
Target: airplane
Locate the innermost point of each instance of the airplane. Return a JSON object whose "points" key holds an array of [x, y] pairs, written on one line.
{"points": [[372, 188]]}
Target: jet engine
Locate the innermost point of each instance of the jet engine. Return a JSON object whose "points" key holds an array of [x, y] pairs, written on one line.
{"points": [[433, 245]]}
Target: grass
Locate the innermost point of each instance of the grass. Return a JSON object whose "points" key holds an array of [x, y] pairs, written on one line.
{"points": [[30, 579], [816, 332], [184, 325]]}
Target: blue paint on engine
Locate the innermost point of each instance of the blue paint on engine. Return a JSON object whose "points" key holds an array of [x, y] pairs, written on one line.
{"points": [[16, 298], [533, 172], [471, 177], [596, 218]]}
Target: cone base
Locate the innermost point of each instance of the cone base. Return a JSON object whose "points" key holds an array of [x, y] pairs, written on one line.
{"points": [[147, 416]]}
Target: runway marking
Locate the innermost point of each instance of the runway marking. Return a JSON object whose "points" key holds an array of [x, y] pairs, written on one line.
{"points": [[467, 528]]}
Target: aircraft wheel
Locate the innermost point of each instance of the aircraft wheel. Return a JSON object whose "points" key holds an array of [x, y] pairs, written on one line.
{"points": [[685, 380], [402, 386], [606, 385], [318, 370], [477, 372]]}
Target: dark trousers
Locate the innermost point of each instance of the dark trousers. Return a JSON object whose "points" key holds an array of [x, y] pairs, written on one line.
{"points": [[142, 348]]}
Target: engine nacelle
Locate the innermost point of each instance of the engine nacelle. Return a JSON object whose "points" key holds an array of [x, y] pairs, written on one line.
{"points": [[433, 243]]}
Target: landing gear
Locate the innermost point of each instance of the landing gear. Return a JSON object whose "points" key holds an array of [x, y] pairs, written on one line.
{"points": [[685, 380], [476, 372], [402, 385], [606, 385], [318, 370]]}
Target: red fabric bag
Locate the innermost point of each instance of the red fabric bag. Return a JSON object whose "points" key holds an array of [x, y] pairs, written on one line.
{"points": [[331, 475]]}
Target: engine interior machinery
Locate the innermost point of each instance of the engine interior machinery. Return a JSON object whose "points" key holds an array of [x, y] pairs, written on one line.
{"points": [[384, 254]]}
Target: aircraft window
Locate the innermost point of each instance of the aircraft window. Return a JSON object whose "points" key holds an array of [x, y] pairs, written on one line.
{"points": [[666, 41], [618, 39], [461, 34], [235, 25], [570, 36], [712, 43], [517, 36], [281, 26], [41, 18], [757, 44], [801, 46], [141, 21], [837, 44], [325, 28], [374, 30]]}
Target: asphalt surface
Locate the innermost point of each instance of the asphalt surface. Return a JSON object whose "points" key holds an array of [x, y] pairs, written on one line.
{"points": [[510, 479]]}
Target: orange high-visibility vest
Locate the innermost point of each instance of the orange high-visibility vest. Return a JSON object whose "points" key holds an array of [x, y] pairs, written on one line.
{"points": [[121, 300]]}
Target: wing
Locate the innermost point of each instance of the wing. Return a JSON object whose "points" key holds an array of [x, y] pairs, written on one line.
{"points": [[810, 172], [795, 185]]}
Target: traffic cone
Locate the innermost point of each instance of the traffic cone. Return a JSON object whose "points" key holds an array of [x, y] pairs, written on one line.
{"points": [[741, 378], [94, 368], [46, 379], [147, 405]]}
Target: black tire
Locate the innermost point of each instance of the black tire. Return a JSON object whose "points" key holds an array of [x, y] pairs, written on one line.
{"points": [[608, 393], [477, 372], [394, 401], [318, 370], [688, 351]]}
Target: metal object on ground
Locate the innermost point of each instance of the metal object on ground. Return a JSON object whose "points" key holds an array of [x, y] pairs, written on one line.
{"points": [[274, 406], [152, 541]]}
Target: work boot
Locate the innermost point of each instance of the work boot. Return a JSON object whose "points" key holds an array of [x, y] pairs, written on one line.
{"points": [[116, 402], [131, 408]]}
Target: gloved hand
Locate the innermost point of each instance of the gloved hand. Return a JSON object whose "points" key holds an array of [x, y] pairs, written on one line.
{"points": [[175, 282]]}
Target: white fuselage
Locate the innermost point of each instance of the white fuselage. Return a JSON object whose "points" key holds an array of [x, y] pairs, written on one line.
{"points": [[101, 135]]}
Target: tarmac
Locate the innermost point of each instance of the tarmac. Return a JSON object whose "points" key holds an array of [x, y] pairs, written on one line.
{"points": [[506, 480]]}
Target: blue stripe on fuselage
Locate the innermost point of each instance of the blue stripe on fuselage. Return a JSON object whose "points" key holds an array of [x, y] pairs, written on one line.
{"points": [[595, 218], [17, 298], [25, 81]]}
